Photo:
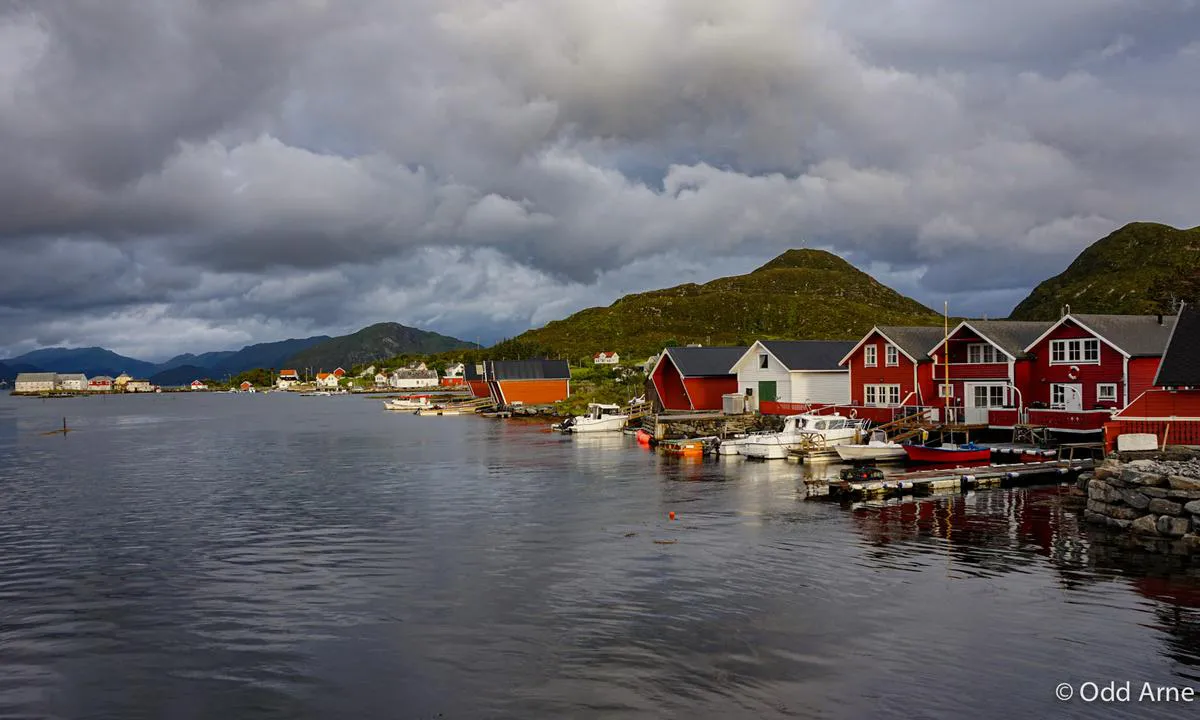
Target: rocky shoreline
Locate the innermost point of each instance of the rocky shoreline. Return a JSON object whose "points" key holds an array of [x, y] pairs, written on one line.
{"points": [[1154, 499]]}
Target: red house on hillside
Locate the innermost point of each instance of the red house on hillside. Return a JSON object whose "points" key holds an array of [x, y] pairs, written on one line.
{"points": [[1170, 409], [694, 378], [988, 368], [890, 367]]}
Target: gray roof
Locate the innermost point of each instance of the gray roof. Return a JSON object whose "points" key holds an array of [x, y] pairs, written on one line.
{"points": [[705, 361], [809, 354], [414, 374], [36, 377], [1137, 335], [1013, 336], [1181, 362], [73, 376], [527, 370], [914, 340], [473, 371]]}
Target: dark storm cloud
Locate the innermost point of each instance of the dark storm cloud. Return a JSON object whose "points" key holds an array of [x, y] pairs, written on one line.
{"points": [[189, 173]]}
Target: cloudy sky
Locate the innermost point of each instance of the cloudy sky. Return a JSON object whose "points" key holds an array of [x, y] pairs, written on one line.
{"points": [[198, 175]]}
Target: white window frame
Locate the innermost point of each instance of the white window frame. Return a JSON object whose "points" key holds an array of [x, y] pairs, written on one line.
{"points": [[945, 390], [1106, 397], [882, 395], [982, 354], [871, 356], [1058, 389], [891, 355], [1075, 351]]}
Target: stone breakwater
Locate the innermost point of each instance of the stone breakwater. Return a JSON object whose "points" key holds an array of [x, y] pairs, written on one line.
{"points": [[1148, 498]]}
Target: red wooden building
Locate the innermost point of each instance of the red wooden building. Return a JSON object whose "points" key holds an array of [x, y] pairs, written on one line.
{"points": [[1170, 409], [694, 378], [473, 377], [889, 368], [1087, 366], [527, 382], [986, 367]]}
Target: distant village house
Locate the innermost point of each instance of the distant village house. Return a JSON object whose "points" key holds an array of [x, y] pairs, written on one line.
{"points": [[606, 358], [327, 380], [287, 378], [100, 383], [35, 382], [198, 385]]}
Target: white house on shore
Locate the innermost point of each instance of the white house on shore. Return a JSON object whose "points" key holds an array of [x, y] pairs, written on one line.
{"points": [[287, 378], [805, 371], [35, 382], [198, 385], [100, 383], [606, 358], [417, 376], [328, 381], [73, 381]]}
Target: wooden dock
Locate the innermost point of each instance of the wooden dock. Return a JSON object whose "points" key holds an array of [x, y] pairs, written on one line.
{"points": [[924, 482]]}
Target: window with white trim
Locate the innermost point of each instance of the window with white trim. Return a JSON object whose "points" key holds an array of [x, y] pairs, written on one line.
{"points": [[1106, 392], [979, 353], [1060, 393], [871, 356], [990, 396], [886, 395], [1075, 352], [892, 356], [945, 390]]}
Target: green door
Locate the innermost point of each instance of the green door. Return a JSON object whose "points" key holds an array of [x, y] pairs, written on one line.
{"points": [[766, 391]]}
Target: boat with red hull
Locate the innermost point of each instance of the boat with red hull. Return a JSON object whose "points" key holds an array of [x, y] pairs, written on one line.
{"points": [[948, 453]]}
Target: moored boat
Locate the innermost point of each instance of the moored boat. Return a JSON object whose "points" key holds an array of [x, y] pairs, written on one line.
{"points": [[694, 447], [878, 448], [600, 417], [801, 432], [968, 452], [409, 404]]}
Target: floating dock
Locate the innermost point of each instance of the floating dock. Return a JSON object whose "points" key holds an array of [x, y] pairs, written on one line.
{"points": [[924, 482]]}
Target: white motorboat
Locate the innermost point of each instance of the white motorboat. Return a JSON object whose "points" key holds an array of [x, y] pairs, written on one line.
{"points": [[599, 418], [733, 445], [408, 404], [801, 432], [878, 448], [317, 393]]}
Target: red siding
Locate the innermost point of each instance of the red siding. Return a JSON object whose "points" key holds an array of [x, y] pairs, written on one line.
{"points": [[901, 375], [1110, 370], [706, 392], [1179, 412], [479, 388], [533, 392], [1141, 375], [448, 382], [669, 386], [1158, 403]]}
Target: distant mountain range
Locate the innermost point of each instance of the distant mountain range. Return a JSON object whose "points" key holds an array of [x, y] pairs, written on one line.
{"points": [[1141, 269], [376, 342]]}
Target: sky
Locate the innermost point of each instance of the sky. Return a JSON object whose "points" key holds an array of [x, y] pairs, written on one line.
{"points": [[201, 175]]}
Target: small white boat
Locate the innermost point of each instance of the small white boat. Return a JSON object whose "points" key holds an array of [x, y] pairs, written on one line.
{"points": [[733, 445], [599, 418], [878, 448], [407, 404], [317, 393], [801, 432]]}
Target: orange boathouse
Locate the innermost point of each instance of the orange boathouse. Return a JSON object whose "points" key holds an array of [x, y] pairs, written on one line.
{"points": [[527, 382]]}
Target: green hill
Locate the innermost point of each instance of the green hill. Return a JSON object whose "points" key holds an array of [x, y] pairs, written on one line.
{"points": [[800, 295], [373, 343], [1137, 270]]}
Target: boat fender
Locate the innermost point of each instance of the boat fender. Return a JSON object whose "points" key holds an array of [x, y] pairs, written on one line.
{"points": [[1074, 373], [1012, 475], [1062, 471]]}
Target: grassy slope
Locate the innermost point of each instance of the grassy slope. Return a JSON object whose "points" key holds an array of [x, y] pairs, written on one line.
{"points": [[800, 295], [1135, 270]]}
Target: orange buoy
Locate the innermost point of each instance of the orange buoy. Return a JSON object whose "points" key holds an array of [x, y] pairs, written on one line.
{"points": [[671, 515]]}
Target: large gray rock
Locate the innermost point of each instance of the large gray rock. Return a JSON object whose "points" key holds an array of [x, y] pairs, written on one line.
{"points": [[1095, 518], [1192, 541], [1120, 512], [1103, 492], [1146, 525], [1179, 482], [1159, 506], [1135, 499], [1119, 523], [1100, 508], [1184, 495], [1154, 492], [1193, 507], [1133, 476], [1172, 526]]}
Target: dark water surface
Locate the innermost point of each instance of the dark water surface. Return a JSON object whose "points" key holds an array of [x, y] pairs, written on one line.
{"points": [[242, 556]]}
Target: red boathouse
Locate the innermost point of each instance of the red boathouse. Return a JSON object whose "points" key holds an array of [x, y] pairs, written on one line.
{"points": [[694, 378], [890, 368]]}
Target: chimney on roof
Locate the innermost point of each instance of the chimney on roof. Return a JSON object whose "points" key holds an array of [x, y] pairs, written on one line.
{"points": [[1066, 310]]}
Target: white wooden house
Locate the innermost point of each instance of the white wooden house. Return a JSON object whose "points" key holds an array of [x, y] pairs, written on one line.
{"points": [[606, 358], [73, 381], [793, 372], [35, 382]]}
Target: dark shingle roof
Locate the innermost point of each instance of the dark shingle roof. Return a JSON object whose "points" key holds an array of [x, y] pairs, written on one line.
{"points": [[1181, 363], [1137, 335], [527, 370], [809, 354], [915, 341], [705, 361], [473, 371], [1013, 336]]}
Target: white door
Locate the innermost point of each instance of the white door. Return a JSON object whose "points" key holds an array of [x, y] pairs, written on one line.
{"points": [[981, 397], [1067, 396]]}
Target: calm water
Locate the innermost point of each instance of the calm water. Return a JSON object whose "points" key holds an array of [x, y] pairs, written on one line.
{"points": [[231, 556]]}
